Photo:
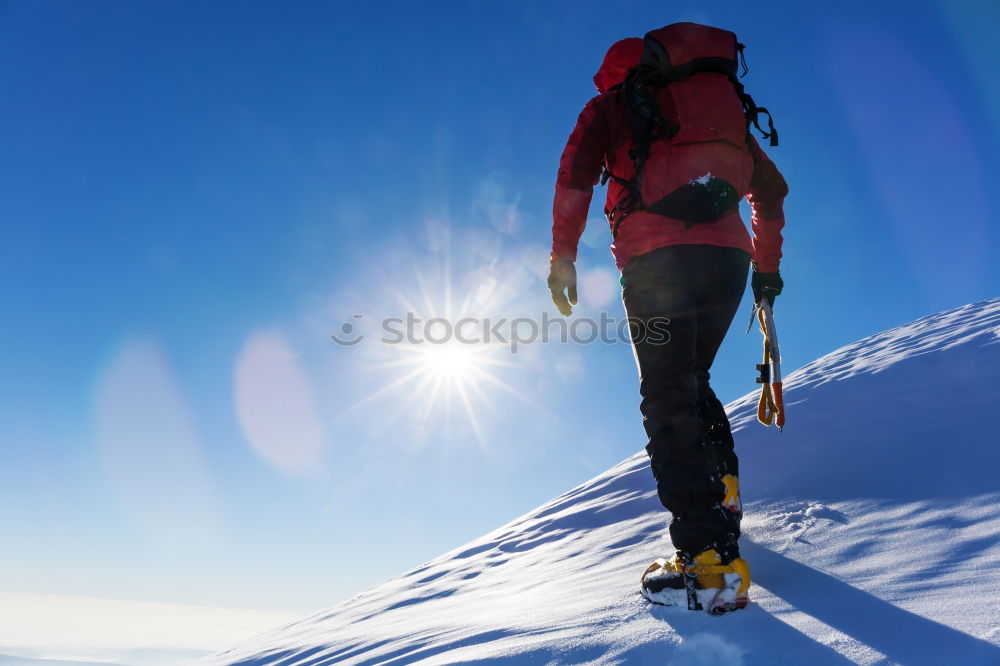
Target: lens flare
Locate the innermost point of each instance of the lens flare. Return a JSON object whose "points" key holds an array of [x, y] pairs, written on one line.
{"points": [[443, 376], [276, 406]]}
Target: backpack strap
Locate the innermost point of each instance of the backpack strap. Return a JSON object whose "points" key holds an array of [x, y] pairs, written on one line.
{"points": [[647, 125], [753, 113], [647, 122], [632, 201], [740, 47]]}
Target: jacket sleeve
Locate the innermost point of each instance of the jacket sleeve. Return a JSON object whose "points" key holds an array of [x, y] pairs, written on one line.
{"points": [[579, 169], [767, 195]]}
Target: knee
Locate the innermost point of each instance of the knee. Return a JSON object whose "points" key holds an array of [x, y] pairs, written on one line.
{"points": [[687, 486], [711, 411]]}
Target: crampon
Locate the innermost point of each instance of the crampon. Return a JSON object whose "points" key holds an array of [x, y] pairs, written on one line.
{"points": [[704, 584]]}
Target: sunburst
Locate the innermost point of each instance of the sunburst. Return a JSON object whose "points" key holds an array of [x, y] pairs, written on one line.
{"points": [[447, 382]]}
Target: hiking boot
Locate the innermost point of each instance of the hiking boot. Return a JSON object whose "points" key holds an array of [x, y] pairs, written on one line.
{"points": [[720, 588], [703, 584], [663, 582]]}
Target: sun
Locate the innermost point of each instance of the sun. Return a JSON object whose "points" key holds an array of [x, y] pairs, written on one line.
{"points": [[444, 375], [453, 362], [443, 382], [437, 382]]}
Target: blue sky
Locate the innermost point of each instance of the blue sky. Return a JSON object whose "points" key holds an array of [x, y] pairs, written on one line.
{"points": [[194, 196]]}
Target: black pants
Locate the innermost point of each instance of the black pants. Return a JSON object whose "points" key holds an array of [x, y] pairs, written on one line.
{"points": [[692, 293]]}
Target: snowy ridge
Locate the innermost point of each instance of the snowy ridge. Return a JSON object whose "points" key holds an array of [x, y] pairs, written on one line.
{"points": [[977, 324], [871, 528]]}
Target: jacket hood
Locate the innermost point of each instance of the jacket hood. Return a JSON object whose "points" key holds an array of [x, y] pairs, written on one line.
{"points": [[621, 57]]}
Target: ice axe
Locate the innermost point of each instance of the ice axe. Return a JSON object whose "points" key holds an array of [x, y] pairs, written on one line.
{"points": [[770, 407]]}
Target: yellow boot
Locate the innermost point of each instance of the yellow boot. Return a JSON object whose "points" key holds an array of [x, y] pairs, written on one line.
{"points": [[663, 582], [709, 561], [720, 588], [704, 584]]}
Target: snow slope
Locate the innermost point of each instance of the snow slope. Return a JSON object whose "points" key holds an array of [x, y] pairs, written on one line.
{"points": [[871, 528]]}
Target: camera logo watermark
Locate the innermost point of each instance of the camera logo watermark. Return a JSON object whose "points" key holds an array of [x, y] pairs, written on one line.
{"points": [[349, 334], [515, 332]]}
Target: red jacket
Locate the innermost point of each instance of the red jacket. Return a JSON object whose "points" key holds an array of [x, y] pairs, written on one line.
{"points": [[600, 139]]}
